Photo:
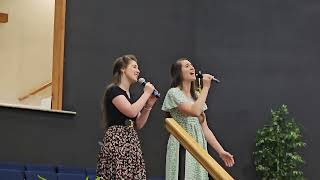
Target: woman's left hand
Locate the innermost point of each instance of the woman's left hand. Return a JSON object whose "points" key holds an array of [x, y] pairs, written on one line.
{"points": [[227, 158]]}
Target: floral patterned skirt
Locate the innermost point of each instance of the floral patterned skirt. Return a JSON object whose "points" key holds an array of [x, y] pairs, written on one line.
{"points": [[120, 156]]}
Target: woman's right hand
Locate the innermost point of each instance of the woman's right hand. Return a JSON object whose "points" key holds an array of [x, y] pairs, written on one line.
{"points": [[207, 79], [148, 88], [227, 158]]}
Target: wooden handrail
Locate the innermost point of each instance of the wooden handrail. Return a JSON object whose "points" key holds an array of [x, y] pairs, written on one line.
{"points": [[3, 18], [201, 155], [33, 92]]}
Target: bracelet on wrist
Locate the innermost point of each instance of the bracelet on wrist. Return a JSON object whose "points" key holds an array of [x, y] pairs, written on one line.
{"points": [[147, 108]]}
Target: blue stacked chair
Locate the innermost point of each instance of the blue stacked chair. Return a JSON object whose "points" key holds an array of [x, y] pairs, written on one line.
{"points": [[16, 171], [7, 174], [46, 171], [41, 168], [37, 175], [68, 176], [12, 166], [92, 177], [71, 173], [70, 170], [91, 173], [11, 171]]}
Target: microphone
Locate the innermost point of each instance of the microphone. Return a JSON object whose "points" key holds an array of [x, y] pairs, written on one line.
{"points": [[200, 76], [142, 81]]}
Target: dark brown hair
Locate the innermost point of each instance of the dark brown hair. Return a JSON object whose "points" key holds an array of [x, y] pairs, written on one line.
{"points": [[120, 63], [176, 75]]}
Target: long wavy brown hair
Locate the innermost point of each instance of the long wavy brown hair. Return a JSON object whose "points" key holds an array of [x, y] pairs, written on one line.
{"points": [[120, 63], [176, 78]]}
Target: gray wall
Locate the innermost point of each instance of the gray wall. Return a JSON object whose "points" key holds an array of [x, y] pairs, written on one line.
{"points": [[264, 52], [96, 33]]}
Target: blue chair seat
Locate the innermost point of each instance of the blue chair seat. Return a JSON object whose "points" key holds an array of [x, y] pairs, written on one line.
{"points": [[34, 175], [91, 171], [69, 176], [6, 174], [41, 167], [12, 166], [70, 170], [92, 176]]}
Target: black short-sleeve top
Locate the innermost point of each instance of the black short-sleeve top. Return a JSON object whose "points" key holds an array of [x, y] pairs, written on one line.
{"points": [[114, 116]]}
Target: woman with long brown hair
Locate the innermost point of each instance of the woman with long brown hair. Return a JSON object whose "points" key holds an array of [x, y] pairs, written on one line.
{"points": [[120, 156], [187, 107]]}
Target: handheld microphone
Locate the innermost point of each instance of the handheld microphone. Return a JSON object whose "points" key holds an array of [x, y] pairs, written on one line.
{"points": [[143, 82], [200, 76]]}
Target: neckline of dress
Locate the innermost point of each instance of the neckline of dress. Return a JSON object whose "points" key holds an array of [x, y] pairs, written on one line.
{"points": [[192, 100], [127, 92]]}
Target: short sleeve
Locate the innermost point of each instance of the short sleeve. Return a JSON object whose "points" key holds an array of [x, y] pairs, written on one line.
{"points": [[114, 91], [173, 98], [205, 107]]}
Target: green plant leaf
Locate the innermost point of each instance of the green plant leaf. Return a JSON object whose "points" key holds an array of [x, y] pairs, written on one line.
{"points": [[41, 178], [277, 143]]}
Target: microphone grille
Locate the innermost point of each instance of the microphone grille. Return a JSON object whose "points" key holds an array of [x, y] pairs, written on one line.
{"points": [[141, 80]]}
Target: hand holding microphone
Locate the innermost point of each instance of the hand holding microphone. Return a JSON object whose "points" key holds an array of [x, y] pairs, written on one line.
{"points": [[199, 75], [147, 86], [206, 79]]}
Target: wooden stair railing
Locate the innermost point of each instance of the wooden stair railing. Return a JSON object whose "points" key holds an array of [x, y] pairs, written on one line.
{"points": [[35, 91], [201, 155]]}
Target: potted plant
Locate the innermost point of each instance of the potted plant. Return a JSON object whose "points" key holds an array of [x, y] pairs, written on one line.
{"points": [[276, 155]]}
